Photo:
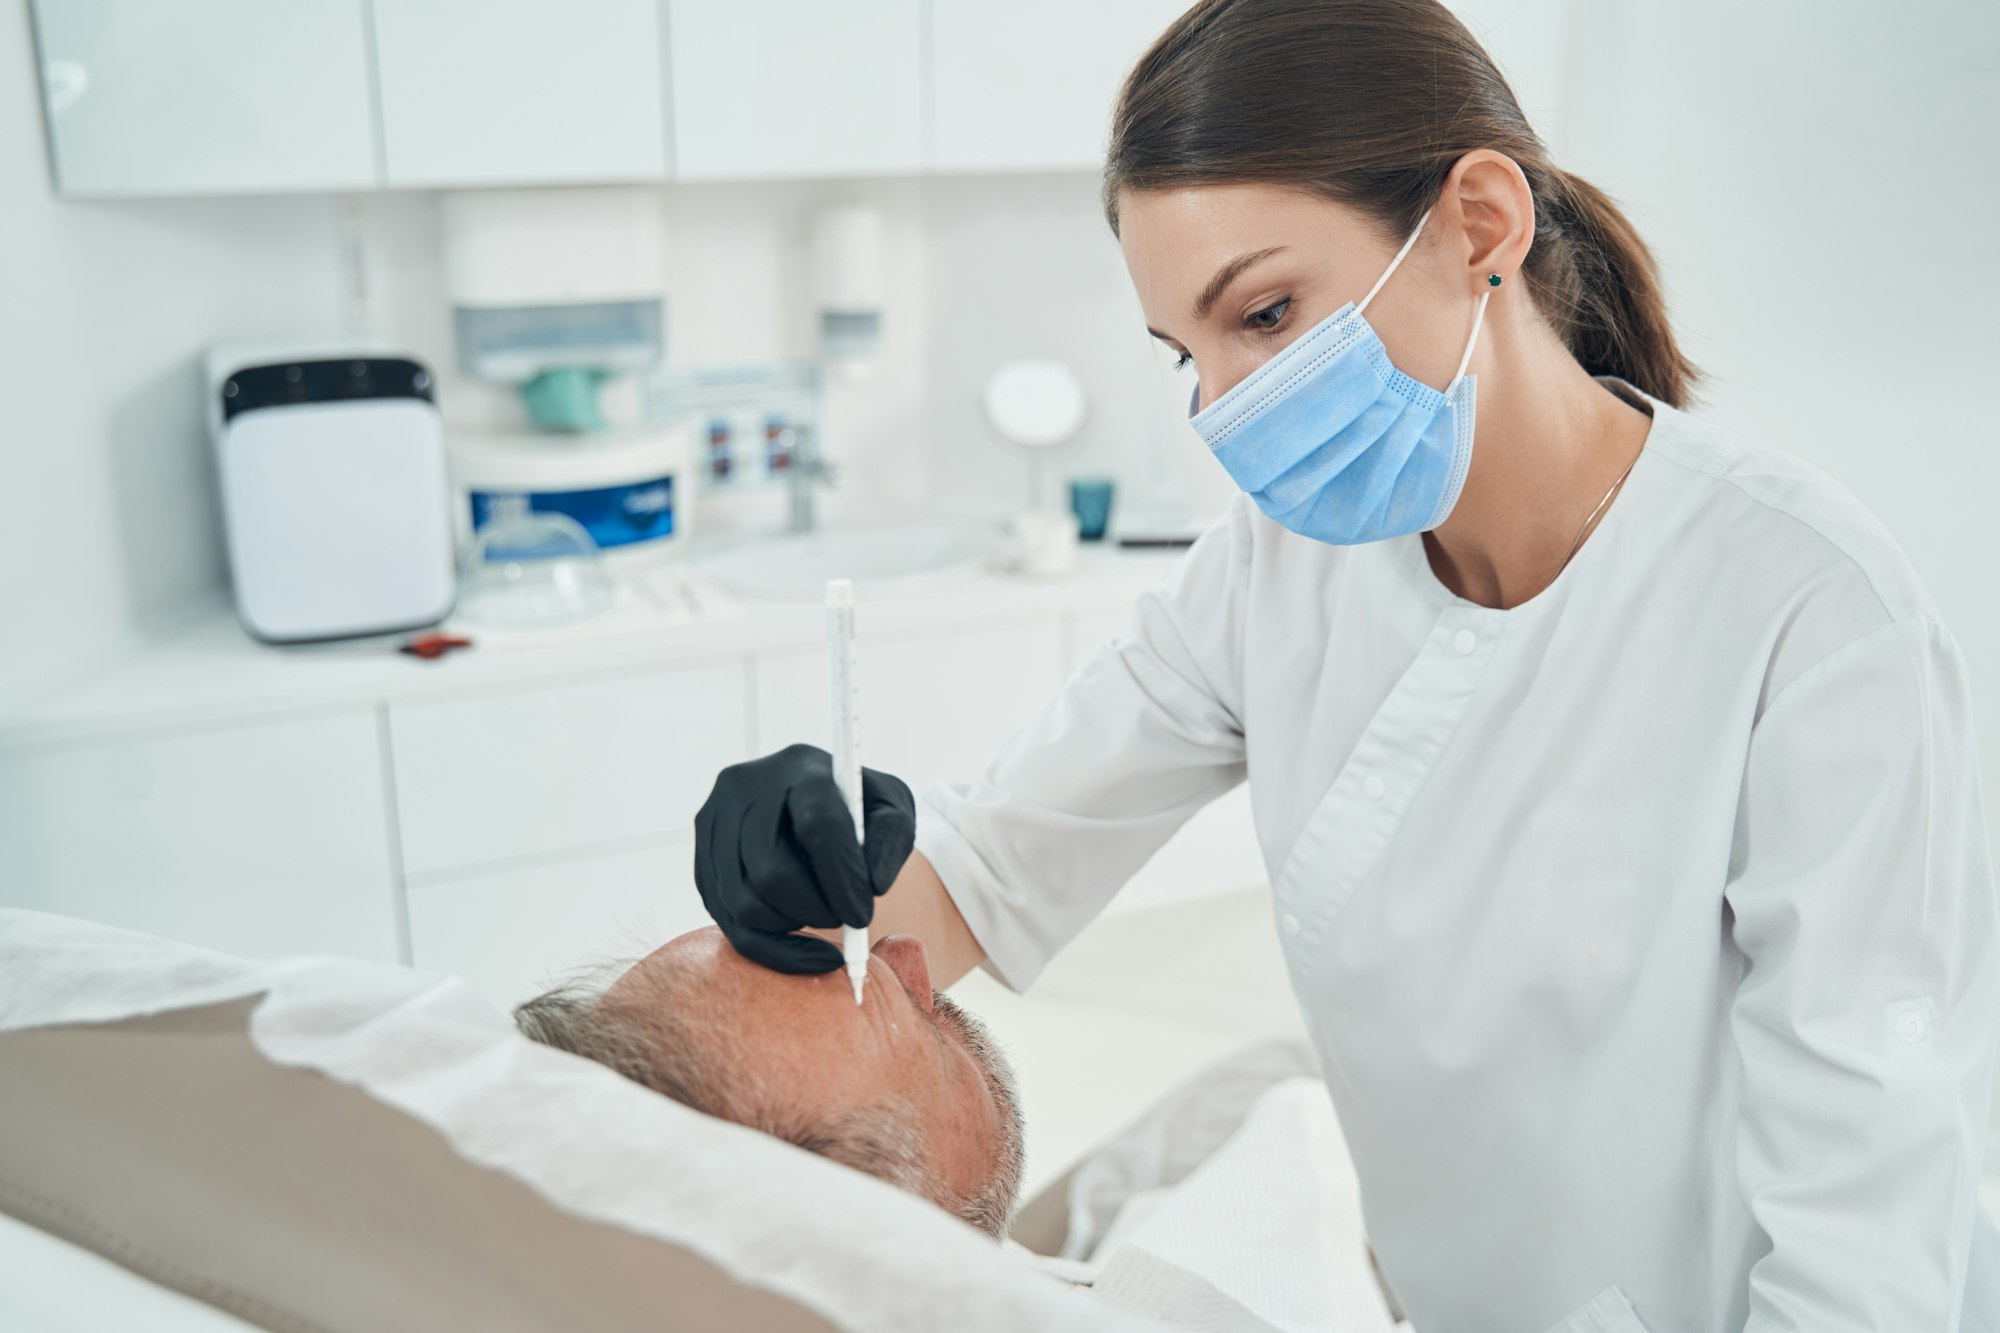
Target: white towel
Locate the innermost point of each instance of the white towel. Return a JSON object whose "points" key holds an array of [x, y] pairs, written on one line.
{"points": [[846, 1245], [1271, 1220]]}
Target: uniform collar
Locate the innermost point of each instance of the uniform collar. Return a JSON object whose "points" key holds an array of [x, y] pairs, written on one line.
{"points": [[1414, 566]]}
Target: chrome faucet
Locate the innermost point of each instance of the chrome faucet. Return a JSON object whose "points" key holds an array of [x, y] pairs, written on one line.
{"points": [[806, 473]]}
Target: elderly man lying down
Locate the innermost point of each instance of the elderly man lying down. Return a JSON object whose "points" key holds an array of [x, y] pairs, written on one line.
{"points": [[907, 1087]]}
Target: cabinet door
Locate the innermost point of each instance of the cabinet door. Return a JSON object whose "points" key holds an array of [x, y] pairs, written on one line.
{"points": [[773, 88], [495, 777], [206, 96], [1029, 85], [259, 840], [492, 92], [512, 932], [932, 709]]}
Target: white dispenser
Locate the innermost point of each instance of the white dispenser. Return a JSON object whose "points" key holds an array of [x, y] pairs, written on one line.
{"points": [[555, 281], [850, 285]]}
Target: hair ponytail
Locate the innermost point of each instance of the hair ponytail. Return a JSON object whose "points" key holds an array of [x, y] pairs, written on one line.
{"points": [[1605, 298], [1370, 103]]}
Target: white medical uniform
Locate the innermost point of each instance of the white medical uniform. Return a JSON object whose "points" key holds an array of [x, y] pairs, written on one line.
{"points": [[1647, 930]]}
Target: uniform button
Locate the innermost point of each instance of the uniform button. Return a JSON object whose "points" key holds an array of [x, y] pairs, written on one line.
{"points": [[1910, 1026], [1289, 924], [1373, 788], [1465, 641]]}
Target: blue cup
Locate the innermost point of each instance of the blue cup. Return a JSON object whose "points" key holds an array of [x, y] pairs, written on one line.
{"points": [[1090, 500]]}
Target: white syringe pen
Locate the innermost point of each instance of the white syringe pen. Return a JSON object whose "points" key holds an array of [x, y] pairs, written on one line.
{"points": [[846, 749]]}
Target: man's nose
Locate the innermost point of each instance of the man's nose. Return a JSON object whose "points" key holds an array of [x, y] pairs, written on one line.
{"points": [[906, 958]]}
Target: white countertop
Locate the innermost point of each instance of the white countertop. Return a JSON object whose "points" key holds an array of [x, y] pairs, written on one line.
{"points": [[207, 671]]}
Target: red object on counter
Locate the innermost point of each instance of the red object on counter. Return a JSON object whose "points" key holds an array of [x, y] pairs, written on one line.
{"points": [[430, 647]]}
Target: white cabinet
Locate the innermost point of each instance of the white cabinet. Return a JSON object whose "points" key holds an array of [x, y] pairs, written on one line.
{"points": [[932, 709], [260, 840], [495, 92], [511, 932], [206, 96], [492, 777], [529, 819], [1029, 85], [774, 88], [244, 96]]}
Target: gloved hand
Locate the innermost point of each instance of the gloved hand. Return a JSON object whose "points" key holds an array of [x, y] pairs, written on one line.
{"points": [[774, 849]]}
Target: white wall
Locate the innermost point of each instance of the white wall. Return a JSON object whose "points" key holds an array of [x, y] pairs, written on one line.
{"points": [[1813, 178], [105, 515], [1025, 265]]}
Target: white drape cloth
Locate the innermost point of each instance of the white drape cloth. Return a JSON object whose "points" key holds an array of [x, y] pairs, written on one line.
{"points": [[858, 1251]]}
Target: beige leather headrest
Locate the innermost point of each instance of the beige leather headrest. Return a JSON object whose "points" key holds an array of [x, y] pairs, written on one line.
{"points": [[170, 1145]]}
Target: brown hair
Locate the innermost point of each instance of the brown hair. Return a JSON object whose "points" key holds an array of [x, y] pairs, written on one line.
{"points": [[1370, 103]]}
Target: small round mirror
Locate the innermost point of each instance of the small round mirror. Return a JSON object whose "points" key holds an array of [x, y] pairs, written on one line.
{"points": [[1035, 402]]}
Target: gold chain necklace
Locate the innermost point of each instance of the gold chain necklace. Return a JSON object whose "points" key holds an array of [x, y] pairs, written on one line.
{"points": [[1600, 509]]}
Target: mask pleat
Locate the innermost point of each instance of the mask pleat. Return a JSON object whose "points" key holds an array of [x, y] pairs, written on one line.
{"points": [[1302, 478], [1330, 408], [1368, 491]]}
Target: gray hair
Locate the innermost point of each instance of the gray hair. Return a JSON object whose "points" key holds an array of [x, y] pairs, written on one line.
{"points": [[659, 1045], [991, 1207]]}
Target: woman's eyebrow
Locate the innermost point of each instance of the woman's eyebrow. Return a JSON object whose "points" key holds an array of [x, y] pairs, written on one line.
{"points": [[1221, 283]]}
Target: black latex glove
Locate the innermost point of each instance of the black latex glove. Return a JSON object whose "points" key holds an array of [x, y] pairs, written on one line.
{"points": [[774, 850]]}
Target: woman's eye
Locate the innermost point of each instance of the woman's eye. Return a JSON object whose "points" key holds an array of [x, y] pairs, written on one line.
{"points": [[1183, 361], [1271, 315]]}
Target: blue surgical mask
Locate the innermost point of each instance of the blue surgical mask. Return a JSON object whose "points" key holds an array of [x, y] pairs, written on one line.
{"points": [[1335, 443]]}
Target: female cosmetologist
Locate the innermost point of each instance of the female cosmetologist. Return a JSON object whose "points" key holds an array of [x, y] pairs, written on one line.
{"points": [[1613, 774]]}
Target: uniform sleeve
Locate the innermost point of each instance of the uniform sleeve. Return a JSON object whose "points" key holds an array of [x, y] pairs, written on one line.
{"points": [[1868, 1018], [1145, 733]]}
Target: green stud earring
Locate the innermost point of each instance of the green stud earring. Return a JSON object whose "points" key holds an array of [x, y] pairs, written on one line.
{"points": [[1493, 280]]}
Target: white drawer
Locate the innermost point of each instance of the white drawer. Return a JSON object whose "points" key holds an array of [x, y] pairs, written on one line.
{"points": [[488, 778], [511, 932], [261, 840]]}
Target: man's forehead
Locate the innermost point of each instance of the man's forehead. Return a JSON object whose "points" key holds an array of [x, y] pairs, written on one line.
{"points": [[702, 964], [699, 958], [706, 942]]}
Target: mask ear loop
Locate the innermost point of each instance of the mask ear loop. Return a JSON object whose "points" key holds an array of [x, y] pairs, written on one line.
{"points": [[1477, 316], [1363, 307]]}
